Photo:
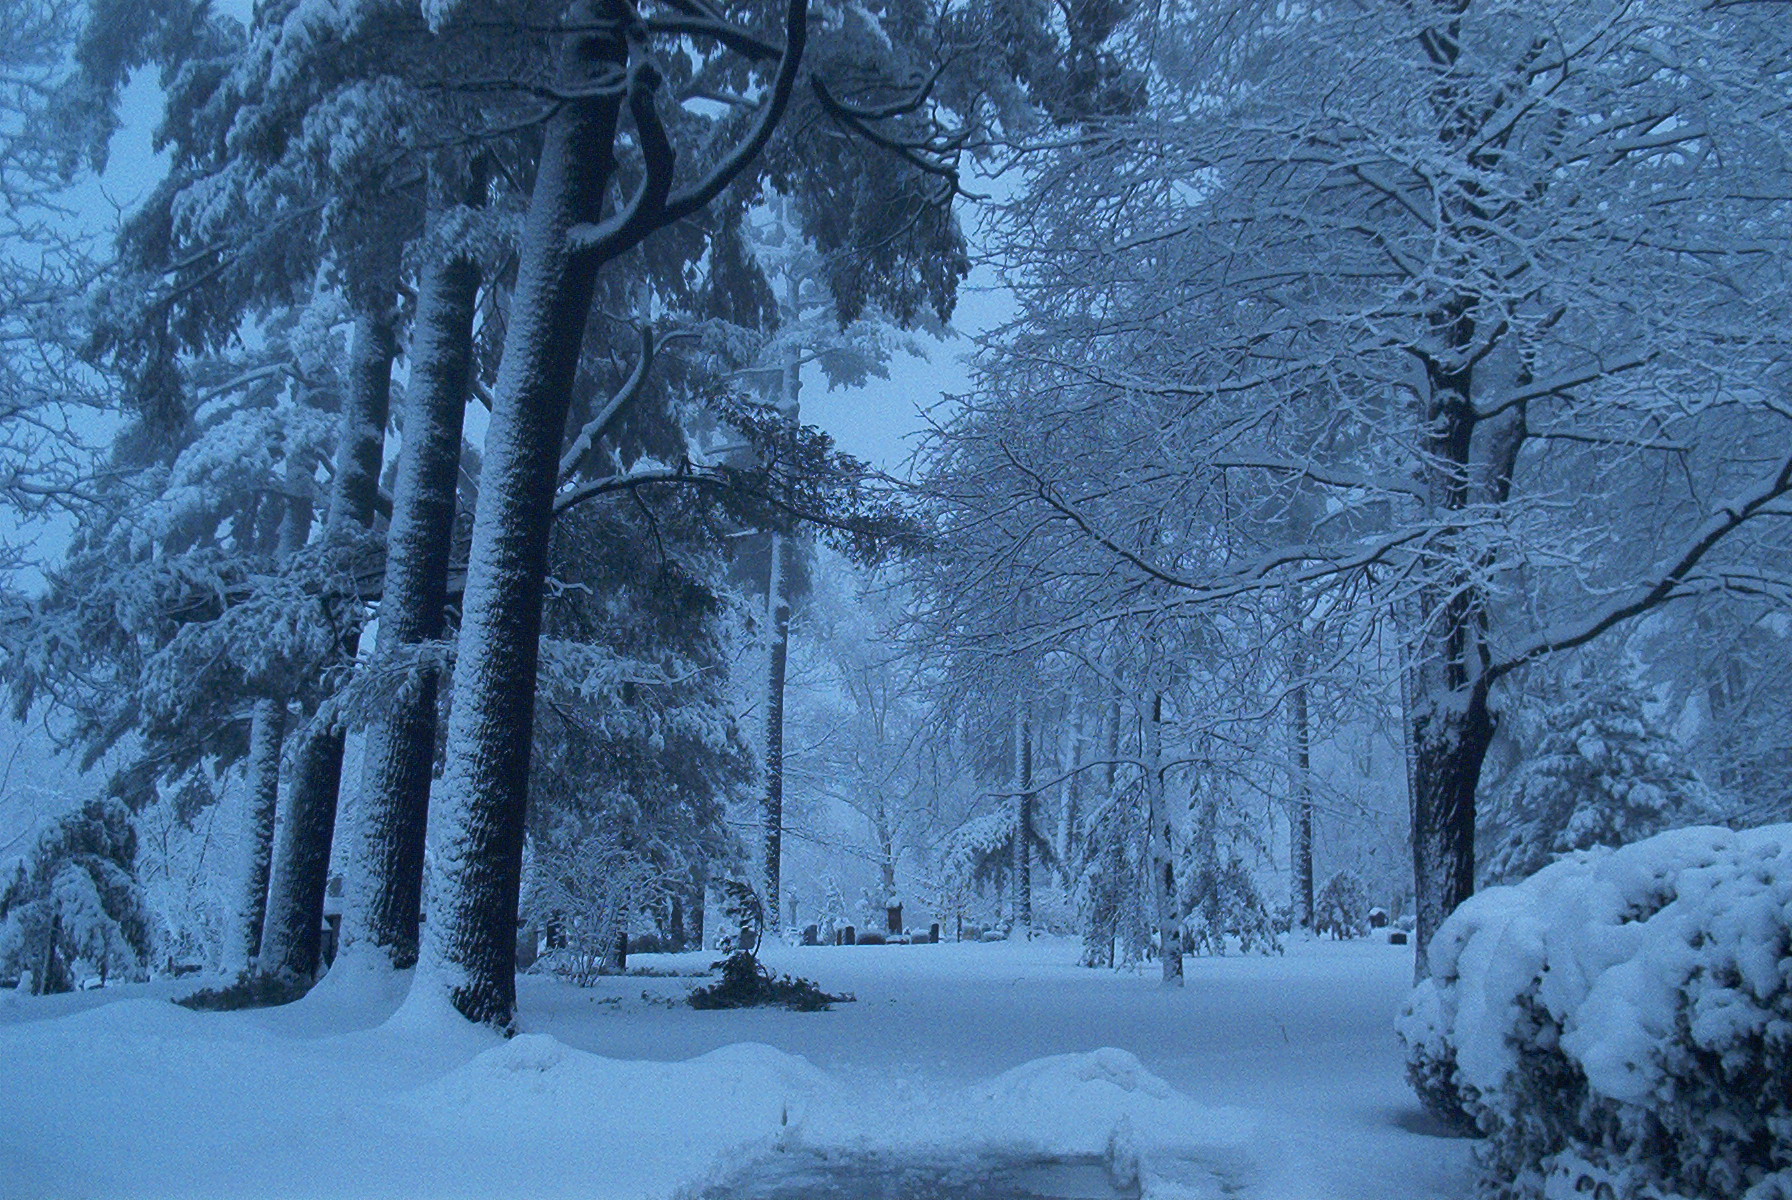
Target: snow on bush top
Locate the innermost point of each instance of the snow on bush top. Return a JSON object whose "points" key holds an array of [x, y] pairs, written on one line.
{"points": [[1657, 972]]}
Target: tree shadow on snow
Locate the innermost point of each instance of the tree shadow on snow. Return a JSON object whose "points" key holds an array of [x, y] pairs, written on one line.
{"points": [[1414, 1119]]}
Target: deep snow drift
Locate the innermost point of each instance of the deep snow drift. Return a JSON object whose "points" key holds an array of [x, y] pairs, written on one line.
{"points": [[1272, 1078]]}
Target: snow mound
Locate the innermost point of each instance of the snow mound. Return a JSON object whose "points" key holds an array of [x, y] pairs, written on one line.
{"points": [[1102, 1102], [643, 1129], [688, 1124], [1621, 1015]]}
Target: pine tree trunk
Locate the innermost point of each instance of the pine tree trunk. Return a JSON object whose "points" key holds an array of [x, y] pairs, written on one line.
{"points": [[292, 939], [468, 951], [292, 936], [50, 980], [1071, 847], [777, 603], [699, 913], [1302, 841], [383, 901], [267, 733], [1023, 820], [1163, 849], [886, 854]]}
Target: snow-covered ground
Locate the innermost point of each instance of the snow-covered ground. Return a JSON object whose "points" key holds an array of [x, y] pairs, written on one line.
{"points": [[1270, 1078]]}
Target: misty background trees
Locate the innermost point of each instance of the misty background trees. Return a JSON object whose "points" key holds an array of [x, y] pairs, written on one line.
{"points": [[1378, 487]]}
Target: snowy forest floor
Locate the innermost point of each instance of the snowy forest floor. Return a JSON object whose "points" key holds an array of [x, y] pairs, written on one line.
{"points": [[1269, 1078]]}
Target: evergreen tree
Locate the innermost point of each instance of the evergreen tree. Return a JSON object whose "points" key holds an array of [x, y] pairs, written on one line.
{"points": [[1601, 774], [1342, 906], [77, 903], [1220, 900]]}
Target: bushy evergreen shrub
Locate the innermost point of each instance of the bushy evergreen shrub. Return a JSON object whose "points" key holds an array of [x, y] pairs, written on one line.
{"points": [[1620, 1023], [1341, 908]]}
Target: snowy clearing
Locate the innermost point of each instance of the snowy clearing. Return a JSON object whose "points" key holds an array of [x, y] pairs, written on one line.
{"points": [[1271, 1078]]}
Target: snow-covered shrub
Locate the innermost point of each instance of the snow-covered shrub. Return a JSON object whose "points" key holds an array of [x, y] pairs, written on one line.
{"points": [[1342, 906], [1620, 1023], [747, 983], [1112, 893], [587, 885], [77, 908], [1222, 904], [1600, 775], [250, 989], [1219, 898]]}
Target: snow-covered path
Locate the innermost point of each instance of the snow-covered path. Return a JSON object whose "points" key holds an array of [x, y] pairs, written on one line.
{"points": [[1304, 1040], [1287, 1071]]}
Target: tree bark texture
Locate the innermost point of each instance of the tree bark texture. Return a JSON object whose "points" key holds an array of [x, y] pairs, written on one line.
{"points": [[1452, 724], [384, 895], [1301, 843], [267, 733], [1451, 734], [468, 950], [1071, 843], [777, 603], [1023, 819], [1163, 849], [292, 939]]}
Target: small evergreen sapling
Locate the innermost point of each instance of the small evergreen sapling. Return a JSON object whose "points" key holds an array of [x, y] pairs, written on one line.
{"points": [[1219, 899], [1341, 908]]}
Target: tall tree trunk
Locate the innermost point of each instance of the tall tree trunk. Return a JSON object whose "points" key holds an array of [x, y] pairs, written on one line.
{"points": [[1070, 843], [267, 733], [1125, 880], [1163, 849], [1301, 843], [777, 605], [886, 864], [1452, 724], [384, 895], [1452, 731], [468, 950], [292, 938], [1023, 819]]}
